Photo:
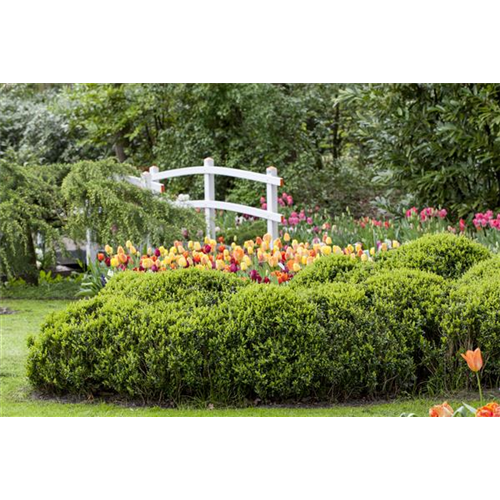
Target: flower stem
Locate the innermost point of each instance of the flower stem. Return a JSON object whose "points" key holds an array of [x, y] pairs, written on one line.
{"points": [[480, 391]]}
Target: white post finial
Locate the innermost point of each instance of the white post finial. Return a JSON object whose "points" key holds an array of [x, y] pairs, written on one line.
{"points": [[209, 196], [272, 203]]}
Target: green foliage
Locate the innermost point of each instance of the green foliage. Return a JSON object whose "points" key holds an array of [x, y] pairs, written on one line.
{"points": [[269, 345], [436, 141], [46, 288], [28, 205], [361, 357], [186, 287], [444, 254], [115, 210], [34, 126], [53, 201], [482, 270], [332, 268], [409, 304], [473, 320]]}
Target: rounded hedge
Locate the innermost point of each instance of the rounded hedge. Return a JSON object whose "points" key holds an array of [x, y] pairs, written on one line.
{"points": [[410, 304], [444, 254], [123, 347], [361, 357], [196, 287], [269, 345], [482, 270], [330, 269], [342, 329], [473, 320]]}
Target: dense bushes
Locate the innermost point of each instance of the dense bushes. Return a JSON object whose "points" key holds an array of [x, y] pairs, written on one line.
{"points": [[336, 267], [212, 336], [472, 320], [444, 254]]}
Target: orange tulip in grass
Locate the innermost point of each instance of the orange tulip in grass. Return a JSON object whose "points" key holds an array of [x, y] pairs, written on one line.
{"points": [[444, 410], [475, 362], [488, 418]]}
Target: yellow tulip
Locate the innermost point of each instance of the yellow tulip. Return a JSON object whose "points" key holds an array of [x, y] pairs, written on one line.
{"points": [[132, 250], [328, 240], [190, 245], [128, 244], [243, 266], [372, 251], [114, 262], [326, 250], [108, 249], [296, 267], [220, 264], [364, 257], [181, 261], [147, 263], [395, 244], [286, 237]]}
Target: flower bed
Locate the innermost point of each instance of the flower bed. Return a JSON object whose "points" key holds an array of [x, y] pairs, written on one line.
{"points": [[260, 260]]}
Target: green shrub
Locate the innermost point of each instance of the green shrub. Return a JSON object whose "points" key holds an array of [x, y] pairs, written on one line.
{"points": [[409, 304], [270, 345], [124, 347], [473, 320], [330, 269], [197, 287], [361, 358], [444, 254], [482, 270]]}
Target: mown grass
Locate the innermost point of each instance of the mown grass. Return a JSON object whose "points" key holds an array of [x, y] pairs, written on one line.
{"points": [[18, 399]]}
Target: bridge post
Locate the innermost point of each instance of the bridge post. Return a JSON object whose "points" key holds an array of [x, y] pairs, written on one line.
{"points": [[209, 196], [272, 203]]}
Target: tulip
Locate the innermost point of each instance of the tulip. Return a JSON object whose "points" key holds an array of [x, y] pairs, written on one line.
{"points": [[475, 362], [182, 262], [147, 263], [122, 258], [114, 262], [326, 250], [100, 257], [443, 410], [492, 412], [286, 237], [108, 249]]}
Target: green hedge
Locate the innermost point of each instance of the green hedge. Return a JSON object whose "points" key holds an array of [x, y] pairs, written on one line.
{"points": [[473, 320], [330, 269], [337, 333], [445, 254], [481, 270]]}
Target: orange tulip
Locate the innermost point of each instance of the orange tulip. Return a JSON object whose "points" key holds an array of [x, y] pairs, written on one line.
{"points": [[444, 410], [474, 359], [492, 412]]}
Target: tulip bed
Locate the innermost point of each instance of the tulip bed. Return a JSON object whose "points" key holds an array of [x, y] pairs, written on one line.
{"points": [[261, 260], [342, 329]]}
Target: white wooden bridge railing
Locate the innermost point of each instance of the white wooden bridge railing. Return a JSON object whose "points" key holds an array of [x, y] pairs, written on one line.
{"points": [[150, 180]]}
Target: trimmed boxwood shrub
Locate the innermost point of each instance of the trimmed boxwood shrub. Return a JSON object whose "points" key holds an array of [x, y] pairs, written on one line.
{"points": [[124, 347], [361, 358], [445, 254], [330, 269], [269, 346], [410, 304], [473, 320], [196, 287], [367, 331], [482, 270]]}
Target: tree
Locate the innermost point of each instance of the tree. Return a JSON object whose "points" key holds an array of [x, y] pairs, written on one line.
{"points": [[440, 142]]}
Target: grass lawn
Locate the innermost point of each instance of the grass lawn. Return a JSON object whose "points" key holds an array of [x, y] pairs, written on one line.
{"points": [[16, 398]]}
